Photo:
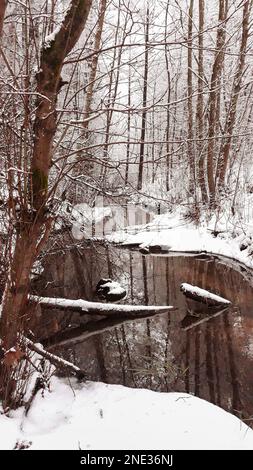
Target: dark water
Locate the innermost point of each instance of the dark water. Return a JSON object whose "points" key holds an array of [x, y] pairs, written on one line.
{"points": [[213, 360]]}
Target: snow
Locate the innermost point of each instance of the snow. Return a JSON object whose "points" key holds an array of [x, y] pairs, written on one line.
{"points": [[97, 307], [203, 293], [51, 37], [115, 288], [11, 350], [100, 416], [172, 232]]}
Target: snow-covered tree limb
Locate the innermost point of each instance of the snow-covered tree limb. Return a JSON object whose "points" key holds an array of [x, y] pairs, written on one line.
{"points": [[57, 361]]}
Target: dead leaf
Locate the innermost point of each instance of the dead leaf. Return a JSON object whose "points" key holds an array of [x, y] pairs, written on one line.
{"points": [[13, 356]]}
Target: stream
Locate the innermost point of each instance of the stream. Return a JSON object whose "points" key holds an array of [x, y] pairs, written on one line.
{"points": [[213, 360]]}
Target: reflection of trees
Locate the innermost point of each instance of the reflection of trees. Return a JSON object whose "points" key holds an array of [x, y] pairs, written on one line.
{"points": [[209, 361]]}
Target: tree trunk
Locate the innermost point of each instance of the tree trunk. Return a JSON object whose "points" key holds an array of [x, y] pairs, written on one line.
{"points": [[94, 63], [168, 163], [191, 156], [214, 91], [200, 105], [17, 285], [144, 105], [113, 86], [33, 226], [128, 122], [237, 84]]}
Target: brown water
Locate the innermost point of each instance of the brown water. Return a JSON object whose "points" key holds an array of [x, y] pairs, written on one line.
{"points": [[213, 360]]}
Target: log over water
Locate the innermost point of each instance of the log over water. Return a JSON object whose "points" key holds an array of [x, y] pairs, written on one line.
{"points": [[99, 308], [202, 295]]}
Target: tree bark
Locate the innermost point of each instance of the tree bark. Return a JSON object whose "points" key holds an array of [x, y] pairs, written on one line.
{"points": [[48, 81]]}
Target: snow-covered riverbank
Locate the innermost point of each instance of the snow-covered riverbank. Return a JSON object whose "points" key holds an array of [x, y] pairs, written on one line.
{"points": [[99, 416], [174, 233]]}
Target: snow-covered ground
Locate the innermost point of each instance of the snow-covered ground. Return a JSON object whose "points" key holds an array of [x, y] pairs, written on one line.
{"points": [[175, 233], [99, 416]]}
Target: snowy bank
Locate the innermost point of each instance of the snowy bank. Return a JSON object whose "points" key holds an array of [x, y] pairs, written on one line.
{"points": [[99, 416], [173, 234]]}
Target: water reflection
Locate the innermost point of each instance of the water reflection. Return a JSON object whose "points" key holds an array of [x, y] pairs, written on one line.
{"points": [[213, 360]]}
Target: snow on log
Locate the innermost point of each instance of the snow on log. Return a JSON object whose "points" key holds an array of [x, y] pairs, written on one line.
{"points": [[53, 359], [112, 291], [99, 308], [202, 295]]}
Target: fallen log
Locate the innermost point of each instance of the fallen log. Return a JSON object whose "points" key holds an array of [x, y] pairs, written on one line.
{"points": [[57, 361], [99, 308], [202, 295]]}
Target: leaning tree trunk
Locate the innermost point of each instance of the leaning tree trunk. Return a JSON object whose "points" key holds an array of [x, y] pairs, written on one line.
{"points": [[34, 224]]}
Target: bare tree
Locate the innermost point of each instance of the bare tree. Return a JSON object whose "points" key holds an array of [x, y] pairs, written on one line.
{"points": [[200, 104], [94, 62], [235, 92], [191, 156], [128, 124], [213, 110], [144, 104], [168, 162], [34, 223]]}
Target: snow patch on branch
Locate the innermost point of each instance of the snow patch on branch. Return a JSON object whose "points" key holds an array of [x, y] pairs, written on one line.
{"points": [[51, 37]]}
